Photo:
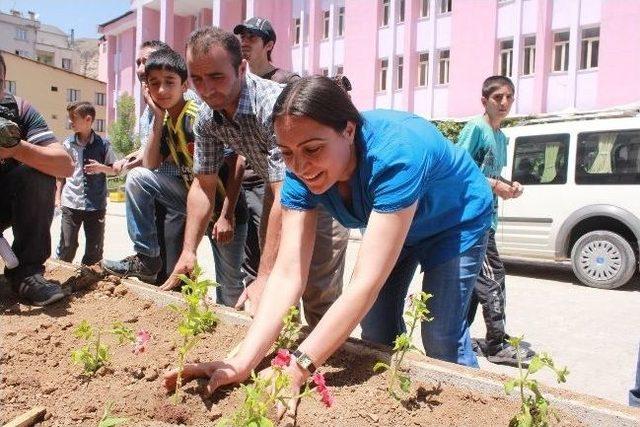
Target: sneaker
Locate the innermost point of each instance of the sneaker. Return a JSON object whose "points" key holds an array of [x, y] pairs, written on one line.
{"points": [[39, 291], [140, 266], [508, 355]]}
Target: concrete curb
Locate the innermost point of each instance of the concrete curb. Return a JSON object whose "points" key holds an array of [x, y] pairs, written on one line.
{"points": [[590, 410]]}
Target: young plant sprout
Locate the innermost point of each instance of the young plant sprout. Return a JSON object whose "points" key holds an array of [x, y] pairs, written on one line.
{"points": [[415, 314], [290, 330], [534, 410], [196, 318], [265, 392]]}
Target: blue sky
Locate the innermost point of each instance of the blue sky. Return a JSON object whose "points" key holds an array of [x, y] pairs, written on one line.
{"points": [[82, 16]]}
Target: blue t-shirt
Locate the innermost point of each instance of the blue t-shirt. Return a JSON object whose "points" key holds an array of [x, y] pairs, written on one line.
{"points": [[403, 159], [488, 148]]}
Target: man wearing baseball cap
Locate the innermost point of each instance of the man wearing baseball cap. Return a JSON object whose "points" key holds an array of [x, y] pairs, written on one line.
{"points": [[257, 39]]}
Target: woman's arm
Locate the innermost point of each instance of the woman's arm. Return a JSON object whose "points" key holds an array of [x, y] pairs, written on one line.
{"points": [[377, 257]]}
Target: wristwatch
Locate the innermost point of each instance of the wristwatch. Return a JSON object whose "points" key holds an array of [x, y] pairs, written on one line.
{"points": [[304, 361]]}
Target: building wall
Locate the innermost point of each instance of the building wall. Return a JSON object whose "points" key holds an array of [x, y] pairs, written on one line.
{"points": [[35, 82], [41, 40], [472, 32]]}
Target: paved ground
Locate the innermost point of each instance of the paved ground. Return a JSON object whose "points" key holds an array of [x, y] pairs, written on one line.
{"points": [[594, 332]]}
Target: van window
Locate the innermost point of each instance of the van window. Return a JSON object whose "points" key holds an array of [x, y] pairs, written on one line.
{"points": [[541, 159], [611, 157]]}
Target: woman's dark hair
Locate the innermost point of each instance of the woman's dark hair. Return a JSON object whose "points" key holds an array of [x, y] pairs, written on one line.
{"points": [[318, 98], [167, 60]]}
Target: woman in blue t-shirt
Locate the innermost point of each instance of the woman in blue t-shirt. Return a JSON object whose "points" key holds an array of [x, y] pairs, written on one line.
{"points": [[423, 202]]}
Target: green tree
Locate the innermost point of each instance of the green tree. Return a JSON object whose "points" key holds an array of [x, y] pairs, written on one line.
{"points": [[122, 133]]}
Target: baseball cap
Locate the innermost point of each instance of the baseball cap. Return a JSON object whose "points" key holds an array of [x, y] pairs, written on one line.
{"points": [[258, 26]]}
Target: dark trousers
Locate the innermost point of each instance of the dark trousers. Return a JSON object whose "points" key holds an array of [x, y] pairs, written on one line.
{"points": [[490, 292], [255, 201], [170, 228], [93, 222], [26, 205]]}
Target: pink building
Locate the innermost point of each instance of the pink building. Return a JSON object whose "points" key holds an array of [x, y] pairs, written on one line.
{"points": [[425, 56]]}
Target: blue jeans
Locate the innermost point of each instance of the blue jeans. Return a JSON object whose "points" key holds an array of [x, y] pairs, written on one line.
{"points": [[451, 283], [143, 188], [228, 261], [634, 394]]}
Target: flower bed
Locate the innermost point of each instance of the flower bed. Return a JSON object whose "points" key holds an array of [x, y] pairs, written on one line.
{"points": [[37, 370]]}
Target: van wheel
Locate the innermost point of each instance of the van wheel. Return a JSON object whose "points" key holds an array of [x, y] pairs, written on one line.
{"points": [[602, 259]]}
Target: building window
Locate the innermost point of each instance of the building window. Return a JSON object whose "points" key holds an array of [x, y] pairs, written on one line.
{"points": [[443, 67], [326, 17], [423, 69], [529, 57], [73, 95], [386, 11], [445, 6], [339, 70], [100, 98], [384, 69], [506, 58], [424, 8], [561, 51], [589, 48], [54, 88], [66, 63], [399, 70], [11, 86], [22, 53], [99, 125], [21, 34], [296, 31], [400, 11], [340, 21], [324, 72]]}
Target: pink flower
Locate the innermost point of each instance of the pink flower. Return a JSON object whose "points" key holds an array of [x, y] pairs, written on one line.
{"points": [[141, 341], [321, 388], [282, 359]]}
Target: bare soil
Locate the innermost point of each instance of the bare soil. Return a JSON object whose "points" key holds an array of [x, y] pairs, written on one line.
{"points": [[37, 371]]}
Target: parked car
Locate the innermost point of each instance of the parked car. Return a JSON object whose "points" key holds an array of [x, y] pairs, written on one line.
{"points": [[582, 197]]}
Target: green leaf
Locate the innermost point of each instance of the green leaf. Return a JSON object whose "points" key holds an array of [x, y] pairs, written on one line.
{"points": [[510, 385], [536, 364], [380, 367], [111, 422], [404, 383]]}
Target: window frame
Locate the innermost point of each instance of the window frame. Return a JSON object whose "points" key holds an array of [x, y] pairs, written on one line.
{"points": [[68, 61], [385, 14], [341, 16], [401, 5], [100, 125], [383, 74], [425, 6], [101, 98], [399, 72], [530, 50], [446, 6], [564, 56], [20, 32], [585, 178], [297, 36], [444, 62], [423, 66], [562, 138], [73, 95], [587, 57], [509, 63], [326, 24], [11, 86]]}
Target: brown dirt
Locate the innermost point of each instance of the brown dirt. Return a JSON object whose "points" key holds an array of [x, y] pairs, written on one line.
{"points": [[37, 370]]}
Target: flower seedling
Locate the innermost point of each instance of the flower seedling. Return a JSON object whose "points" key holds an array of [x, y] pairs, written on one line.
{"points": [[196, 318], [415, 314], [93, 354], [534, 410], [290, 330], [265, 392], [108, 420]]}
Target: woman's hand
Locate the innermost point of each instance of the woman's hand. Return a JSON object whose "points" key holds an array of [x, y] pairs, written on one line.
{"points": [[220, 373]]}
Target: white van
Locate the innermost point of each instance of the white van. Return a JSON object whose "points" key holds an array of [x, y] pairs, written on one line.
{"points": [[581, 201]]}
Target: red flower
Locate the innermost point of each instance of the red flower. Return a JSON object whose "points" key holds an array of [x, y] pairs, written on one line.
{"points": [[282, 359], [321, 388], [141, 341]]}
